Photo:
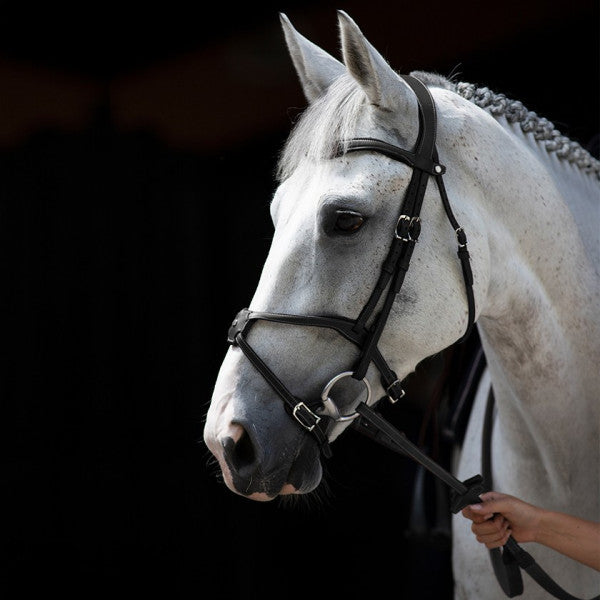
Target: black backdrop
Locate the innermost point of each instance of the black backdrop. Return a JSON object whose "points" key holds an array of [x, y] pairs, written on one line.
{"points": [[124, 257]]}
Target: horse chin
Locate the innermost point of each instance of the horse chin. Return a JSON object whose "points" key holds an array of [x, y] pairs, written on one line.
{"points": [[287, 490], [303, 478]]}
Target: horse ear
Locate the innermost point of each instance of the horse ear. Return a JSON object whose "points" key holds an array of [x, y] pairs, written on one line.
{"points": [[382, 85], [316, 68]]}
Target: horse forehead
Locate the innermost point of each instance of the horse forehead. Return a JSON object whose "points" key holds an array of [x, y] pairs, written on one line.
{"points": [[364, 175]]}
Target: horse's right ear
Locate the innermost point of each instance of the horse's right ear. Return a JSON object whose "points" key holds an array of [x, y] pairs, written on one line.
{"points": [[316, 68]]}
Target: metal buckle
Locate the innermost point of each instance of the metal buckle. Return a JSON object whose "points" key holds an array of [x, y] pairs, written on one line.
{"points": [[408, 222], [299, 416], [461, 237], [392, 399], [329, 405], [403, 221]]}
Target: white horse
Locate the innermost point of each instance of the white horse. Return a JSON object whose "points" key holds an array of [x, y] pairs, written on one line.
{"points": [[529, 202]]}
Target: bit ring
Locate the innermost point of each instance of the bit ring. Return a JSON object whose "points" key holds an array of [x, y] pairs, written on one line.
{"points": [[330, 409]]}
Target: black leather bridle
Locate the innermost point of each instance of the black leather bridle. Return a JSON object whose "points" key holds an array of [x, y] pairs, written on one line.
{"points": [[317, 415]]}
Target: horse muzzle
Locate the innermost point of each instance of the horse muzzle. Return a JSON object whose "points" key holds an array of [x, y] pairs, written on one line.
{"points": [[263, 457]]}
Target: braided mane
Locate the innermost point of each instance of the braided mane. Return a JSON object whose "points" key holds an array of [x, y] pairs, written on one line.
{"points": [[543, 130]]}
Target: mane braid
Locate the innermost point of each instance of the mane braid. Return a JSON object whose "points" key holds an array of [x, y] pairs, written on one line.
{"points": [[498, 105]]}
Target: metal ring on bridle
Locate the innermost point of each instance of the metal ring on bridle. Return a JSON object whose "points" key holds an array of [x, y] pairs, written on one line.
{"points": [[330, 408]]}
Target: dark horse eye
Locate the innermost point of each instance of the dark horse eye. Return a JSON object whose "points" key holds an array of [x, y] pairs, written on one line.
{"points": [[348, 221]]}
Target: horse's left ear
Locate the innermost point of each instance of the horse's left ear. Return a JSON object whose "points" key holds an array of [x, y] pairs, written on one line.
{"points": [[316, 69], [382, 85]]}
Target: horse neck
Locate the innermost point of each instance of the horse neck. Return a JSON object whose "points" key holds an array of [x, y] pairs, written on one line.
{"points": [[580, 191], [540, 321]]}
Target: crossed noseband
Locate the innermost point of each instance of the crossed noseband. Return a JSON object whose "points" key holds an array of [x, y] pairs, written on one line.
{"points": [[317, 415]]}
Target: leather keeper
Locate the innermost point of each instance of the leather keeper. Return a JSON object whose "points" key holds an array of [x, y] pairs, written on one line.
{"points": [[239, 325]]}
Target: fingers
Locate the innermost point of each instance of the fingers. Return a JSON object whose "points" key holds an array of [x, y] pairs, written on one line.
{"points": [[492, 532], [487, 496], [476, 515], [493, 502], [485, 509]]}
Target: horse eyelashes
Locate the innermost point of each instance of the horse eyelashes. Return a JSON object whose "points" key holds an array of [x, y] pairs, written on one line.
{"points": [[348, 222]]}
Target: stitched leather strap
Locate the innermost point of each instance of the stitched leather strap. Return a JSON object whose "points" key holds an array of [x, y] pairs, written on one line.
{"points": [[410, 158], [463, 255], [508, 562], [345, 327]]}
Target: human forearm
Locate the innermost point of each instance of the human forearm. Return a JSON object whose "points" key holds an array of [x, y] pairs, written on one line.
{"points": [[501, 515], [576, 538]]}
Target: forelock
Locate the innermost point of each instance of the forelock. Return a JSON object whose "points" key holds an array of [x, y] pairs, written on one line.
{"points": [[324, 126]]}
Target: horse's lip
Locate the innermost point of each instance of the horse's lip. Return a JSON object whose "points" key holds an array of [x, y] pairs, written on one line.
{"points": [[306, 471], [258, 496], [287, 490]]}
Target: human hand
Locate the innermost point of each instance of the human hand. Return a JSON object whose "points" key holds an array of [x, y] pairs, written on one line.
{"points": [[500, 516]]}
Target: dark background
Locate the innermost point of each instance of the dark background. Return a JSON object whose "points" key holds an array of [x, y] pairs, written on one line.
{"points": [[137, 147]]}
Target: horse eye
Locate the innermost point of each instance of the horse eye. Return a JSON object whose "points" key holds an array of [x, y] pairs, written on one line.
{"points": [[348, 221]]}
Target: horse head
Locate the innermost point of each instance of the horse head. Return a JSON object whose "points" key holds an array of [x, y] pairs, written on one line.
{"points": [[334, 215]]}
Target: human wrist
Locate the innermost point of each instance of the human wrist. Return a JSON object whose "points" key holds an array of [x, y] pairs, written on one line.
{"points": [[542, 529]]}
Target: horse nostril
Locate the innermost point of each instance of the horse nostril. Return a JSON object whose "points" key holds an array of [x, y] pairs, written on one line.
{"points": [[240, 453]]}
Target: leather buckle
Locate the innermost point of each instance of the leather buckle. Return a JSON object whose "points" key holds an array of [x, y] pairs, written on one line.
{"points": [[306, 417], [408, 228], [393, 398], [461, 237]]}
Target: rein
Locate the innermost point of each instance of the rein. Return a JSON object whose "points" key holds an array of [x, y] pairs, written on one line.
{"points": [[317, 416]]}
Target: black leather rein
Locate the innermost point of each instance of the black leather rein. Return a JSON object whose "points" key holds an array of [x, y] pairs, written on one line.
{"points": [[317, 415]]}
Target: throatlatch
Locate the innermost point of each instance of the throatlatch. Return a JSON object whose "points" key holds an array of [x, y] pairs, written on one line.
{"points": [[316, 415]]}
